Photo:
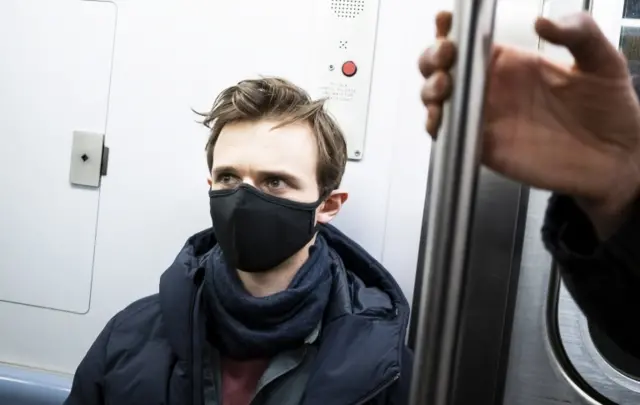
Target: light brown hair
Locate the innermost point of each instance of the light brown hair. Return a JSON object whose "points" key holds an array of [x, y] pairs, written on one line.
{"points": [[278, 99]]}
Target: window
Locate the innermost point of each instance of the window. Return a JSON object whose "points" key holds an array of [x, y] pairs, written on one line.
{"points": [[630, 34], [630, 47], [631, 9]]}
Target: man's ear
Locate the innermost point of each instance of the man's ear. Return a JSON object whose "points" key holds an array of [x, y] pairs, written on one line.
{"points": [[331, 206], [209, 182]]}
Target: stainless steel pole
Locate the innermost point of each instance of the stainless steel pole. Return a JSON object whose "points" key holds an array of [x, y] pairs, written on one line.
{"points": [[456, 166]]}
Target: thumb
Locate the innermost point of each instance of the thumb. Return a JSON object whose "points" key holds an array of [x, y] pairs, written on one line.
{"points": [[591, 49]]}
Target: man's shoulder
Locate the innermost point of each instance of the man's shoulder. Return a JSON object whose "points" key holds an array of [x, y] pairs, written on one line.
{"points": [[131, 351], [127, 332], [139, 315]]}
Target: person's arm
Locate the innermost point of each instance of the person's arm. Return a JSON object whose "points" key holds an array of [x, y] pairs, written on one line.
{"points": [[603, 277], [87, 387]]}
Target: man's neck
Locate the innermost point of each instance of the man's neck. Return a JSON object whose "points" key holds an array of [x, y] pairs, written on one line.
{"points": [[277, 279]]}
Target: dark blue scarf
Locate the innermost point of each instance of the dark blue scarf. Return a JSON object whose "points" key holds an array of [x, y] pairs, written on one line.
{"points": [[242, 326]]}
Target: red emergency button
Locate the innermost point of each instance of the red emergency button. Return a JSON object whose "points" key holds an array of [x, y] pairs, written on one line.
{"points": [[349, 68]]}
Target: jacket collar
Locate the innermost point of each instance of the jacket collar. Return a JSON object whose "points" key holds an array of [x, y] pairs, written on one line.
{"points": [[362, 335]]}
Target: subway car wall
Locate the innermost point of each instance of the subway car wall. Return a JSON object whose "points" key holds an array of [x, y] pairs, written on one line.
{"points": [[119, 84], [126, 74]]}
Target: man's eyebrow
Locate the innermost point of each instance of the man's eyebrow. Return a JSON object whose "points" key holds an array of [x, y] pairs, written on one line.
{"points": [[283, 174], [223, 169], [290, 178], [277, 173]]}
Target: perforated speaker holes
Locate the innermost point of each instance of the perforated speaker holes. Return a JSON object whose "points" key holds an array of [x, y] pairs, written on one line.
{"points": [[347, 8], [343, 44]]}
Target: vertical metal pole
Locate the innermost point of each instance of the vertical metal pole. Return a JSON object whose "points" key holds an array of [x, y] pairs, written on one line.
{"points": [[450, 204]]}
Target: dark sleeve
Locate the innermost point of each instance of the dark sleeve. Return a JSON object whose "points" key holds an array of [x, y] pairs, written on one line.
{"points": [[602, 277], [87, 387], [399, 391]]}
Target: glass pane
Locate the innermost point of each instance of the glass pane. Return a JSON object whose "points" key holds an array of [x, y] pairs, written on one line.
{"points": [[630, 46], [631, 9]]}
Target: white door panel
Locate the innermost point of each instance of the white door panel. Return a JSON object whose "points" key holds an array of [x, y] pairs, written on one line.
{"points": [[54, 80]]}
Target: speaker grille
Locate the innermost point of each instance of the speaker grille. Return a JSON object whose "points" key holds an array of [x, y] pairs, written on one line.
{"points": [[347, 8]]}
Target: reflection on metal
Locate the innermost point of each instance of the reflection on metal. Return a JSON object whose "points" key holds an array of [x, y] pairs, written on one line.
{"points": [[587, 360], [557, 355], [420, 276], [493, 269], [539, 372], [552, 357], [587, 5], [456, 166]]}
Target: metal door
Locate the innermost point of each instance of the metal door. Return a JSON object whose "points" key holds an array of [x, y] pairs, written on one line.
{"points": [[503, 329], [604, 371]]}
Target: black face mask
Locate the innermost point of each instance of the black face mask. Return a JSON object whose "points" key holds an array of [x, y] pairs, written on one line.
{"points": [[257, 231]]}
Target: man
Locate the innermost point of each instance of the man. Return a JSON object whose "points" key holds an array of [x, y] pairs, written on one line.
{"points": [[574, 130], [272, 306]]}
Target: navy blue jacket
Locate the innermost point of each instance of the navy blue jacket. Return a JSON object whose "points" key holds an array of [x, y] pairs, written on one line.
{"points": [[151, 352]]}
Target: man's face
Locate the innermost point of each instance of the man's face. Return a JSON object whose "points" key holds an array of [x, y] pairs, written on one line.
{"points": [[281, 162]]}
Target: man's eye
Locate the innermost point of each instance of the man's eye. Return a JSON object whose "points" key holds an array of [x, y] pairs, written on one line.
{"points": [[226, 179], [275, 183]]}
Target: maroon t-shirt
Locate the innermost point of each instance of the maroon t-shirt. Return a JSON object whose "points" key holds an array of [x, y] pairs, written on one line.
{"points": [[240, 379]]}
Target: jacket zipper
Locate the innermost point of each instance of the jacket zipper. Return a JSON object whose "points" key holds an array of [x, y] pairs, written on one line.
{"points": [[378, 390]]}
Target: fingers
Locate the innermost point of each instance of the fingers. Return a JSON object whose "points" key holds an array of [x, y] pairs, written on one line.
{"points": [[434, 65], [435, 91], [443, 23], [434, 119], [591, 49], [437, 88], [440, 56]]}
